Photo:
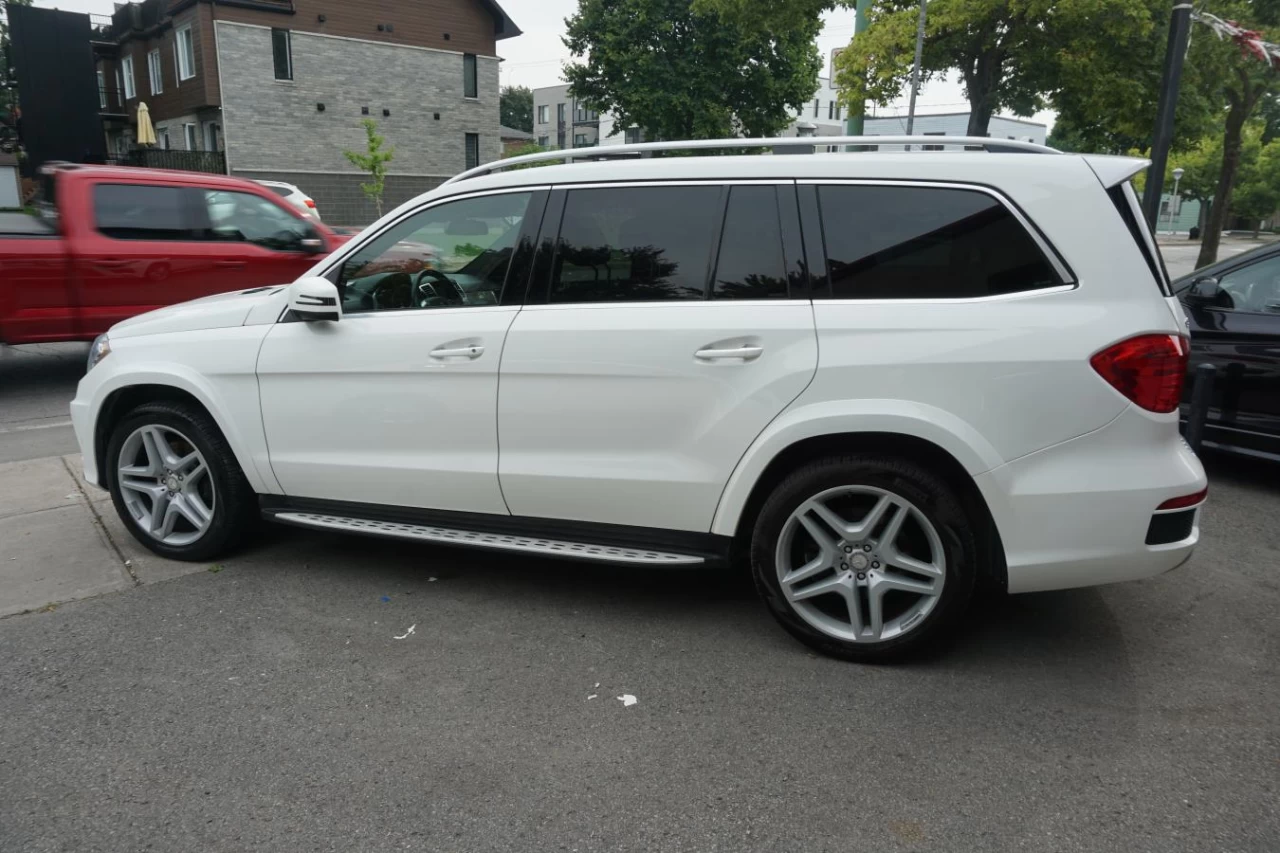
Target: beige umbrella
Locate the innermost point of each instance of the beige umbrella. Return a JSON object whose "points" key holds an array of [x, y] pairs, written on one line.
{"points": [[146, 133]]}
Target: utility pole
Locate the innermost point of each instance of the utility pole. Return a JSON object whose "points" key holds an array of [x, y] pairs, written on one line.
{"points": [[915, 70], [1162, 137], [853, 125]]}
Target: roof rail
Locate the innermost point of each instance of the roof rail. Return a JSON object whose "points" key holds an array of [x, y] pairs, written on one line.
{"points": [[600, 152]]}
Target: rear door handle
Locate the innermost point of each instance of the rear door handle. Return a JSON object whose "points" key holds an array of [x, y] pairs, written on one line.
{"points": [[442, 353], [110, 263], [232, 265], [747, 353]]}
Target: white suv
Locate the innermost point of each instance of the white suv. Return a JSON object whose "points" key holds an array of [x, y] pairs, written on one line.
{"points": [[885, 378]]}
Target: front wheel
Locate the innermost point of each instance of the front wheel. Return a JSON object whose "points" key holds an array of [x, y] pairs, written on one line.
{"points": [[176, 484], [864, 557]]}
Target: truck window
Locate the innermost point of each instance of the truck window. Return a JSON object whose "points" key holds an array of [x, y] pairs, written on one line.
{"points": [[246, 218], [140, 212]]}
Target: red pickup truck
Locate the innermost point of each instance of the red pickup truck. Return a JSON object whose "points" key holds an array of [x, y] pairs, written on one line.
{"points": [[114, 242]]}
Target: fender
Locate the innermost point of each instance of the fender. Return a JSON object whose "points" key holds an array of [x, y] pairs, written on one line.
{"points": [[903, 417], [230, 396]]}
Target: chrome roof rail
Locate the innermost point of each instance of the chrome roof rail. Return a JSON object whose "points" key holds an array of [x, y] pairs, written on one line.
{"points": [[602, 152]]}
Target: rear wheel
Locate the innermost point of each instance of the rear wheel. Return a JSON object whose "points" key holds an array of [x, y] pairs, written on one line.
{"points": [[176, 484], [866, 558]]}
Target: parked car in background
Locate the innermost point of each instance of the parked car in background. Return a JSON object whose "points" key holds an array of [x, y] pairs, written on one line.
{"points": [[295, 197], [112, 242], [1233, 309], [881, 379]]}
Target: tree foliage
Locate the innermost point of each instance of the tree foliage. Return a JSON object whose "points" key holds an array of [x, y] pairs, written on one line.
{"points": [[1010, 54], [373, 160], [686, 73], [8, 87], [516, 108]]}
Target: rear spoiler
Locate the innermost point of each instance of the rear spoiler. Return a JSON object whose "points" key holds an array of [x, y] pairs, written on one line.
{"points": [[1113, 170]]}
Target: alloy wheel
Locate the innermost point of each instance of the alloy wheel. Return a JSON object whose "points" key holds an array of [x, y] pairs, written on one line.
{"points": [[165, 485], [860, 564]]}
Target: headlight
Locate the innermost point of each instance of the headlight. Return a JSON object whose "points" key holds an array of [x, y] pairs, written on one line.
{"points": [[98, 350]]}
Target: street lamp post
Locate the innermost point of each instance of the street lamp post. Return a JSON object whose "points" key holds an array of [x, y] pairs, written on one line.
{"points": [[1173, 199]]}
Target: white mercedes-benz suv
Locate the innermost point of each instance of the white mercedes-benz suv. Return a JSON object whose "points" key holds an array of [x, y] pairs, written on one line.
{"points": [[882, 379]]}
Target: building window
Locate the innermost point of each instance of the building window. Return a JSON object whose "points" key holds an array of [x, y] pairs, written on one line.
{"points": [[153, 72], [119, 86], [282, 54], [559, 113], [543, 140], [189, 137], [579, 140], [632, 135], [816, 103], [470, 86], [544, 113], [186, 54], [839, 107], [211, 136], [126, 65], [162, 138], [933, 147], [831, 109], [473, 150], [102, 90]]}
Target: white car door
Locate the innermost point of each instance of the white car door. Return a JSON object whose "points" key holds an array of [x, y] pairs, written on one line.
{"points": [[395, 404], [652, 349]]}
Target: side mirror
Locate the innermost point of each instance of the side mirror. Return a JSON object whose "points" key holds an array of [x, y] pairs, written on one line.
{"points": [[312, 243], [1204, 290], [314, 298]]}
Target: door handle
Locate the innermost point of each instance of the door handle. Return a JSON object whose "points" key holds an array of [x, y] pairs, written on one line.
{"points": [[110, 263], [747, 353], [231, 265], [472, 352]]}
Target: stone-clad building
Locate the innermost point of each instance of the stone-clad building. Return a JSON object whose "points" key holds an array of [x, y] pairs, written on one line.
{"points": [[280, 87]]}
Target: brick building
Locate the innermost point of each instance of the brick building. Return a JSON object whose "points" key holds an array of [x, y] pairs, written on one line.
{"points": [[277, 88]]}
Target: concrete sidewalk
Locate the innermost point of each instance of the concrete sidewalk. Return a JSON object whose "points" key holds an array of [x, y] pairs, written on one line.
{"points": [[61, 540]]}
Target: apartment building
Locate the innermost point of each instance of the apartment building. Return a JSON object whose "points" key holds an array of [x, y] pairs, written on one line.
{"points": [[279, 88]]}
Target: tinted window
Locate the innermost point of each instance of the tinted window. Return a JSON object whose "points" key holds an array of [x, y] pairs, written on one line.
{"points": [[246, 218], [452, 255], [134, 212], [751, 264], [926, 243], [635, 244]]}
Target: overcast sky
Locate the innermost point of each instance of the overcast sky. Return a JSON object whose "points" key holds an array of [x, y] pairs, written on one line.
{"points": [[534, 59]]}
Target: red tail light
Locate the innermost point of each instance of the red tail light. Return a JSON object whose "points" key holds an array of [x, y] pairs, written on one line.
{"points": [[1185, 501], [309, 203], [1148, 369]]}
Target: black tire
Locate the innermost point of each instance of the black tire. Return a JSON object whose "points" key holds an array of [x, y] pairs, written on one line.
{"points": [[235, 510], [935, 500]]}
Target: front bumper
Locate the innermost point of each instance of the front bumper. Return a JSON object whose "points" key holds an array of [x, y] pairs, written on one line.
{"points": [[1078, 514], [82, 423]]}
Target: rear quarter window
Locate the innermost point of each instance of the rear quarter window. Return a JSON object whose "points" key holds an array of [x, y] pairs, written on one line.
{"points": [[1126, 203], [899, 242]]}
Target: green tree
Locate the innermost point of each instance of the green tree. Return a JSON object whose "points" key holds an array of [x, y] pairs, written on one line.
{"points": [[528, 148], [1244, 83], [516, 108], [1009, 53], [8, 86], [681, 73], [374, 160]]}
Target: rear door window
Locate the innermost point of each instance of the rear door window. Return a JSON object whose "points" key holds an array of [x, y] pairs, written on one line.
{"points": [[899, 242], [750, 263], [636, 244], [141, 212]]}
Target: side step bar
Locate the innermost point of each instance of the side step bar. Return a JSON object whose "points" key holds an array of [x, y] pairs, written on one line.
{"points": [[530, 545]]}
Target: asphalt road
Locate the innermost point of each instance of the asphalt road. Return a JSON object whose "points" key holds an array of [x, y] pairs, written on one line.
{"points": [[270, 706], [36, 384]]}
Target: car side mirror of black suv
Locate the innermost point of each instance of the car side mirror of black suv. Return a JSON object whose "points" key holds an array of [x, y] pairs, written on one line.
{"points": [[1204, 291]]}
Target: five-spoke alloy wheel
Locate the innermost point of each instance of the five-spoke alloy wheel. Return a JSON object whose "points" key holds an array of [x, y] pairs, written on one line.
{"points": [[864, 557], [175, 482]]}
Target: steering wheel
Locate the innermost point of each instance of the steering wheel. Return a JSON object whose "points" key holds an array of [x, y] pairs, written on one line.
{"points": [[448, 293]]}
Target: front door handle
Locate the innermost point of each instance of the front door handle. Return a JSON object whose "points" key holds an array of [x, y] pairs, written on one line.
{"points": [[471, 352], [746, 353], [232, 265]]}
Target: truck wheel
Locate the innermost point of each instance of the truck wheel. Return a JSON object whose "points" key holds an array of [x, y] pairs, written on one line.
{"points": [[176, 484], [865, 557]]}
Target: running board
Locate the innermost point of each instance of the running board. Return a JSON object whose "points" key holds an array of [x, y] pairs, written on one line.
{"points": [[530, 545]]}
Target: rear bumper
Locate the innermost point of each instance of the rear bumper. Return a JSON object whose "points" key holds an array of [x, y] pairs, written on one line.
{"points": [[1079, 513]]}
